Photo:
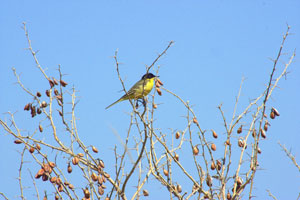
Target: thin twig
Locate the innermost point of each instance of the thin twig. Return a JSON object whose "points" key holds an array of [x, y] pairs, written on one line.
{"points": [[271, 195], [2, 194], [20, 173], [290, 155], [34, 184]]}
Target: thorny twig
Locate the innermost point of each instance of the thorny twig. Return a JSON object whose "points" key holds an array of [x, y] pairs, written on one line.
{"points": [[3, 195], [271, 195], [290, 155], [34, 184], [20, 173]]}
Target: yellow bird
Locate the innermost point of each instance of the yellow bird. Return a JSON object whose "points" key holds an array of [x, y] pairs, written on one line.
{"points": [[142, 88]]}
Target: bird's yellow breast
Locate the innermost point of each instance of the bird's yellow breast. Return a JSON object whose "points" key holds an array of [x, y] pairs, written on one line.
{"points": [[145, 88]]}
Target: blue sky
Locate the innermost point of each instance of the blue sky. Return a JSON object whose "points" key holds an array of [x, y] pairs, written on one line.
{"points": [[216, 44]]}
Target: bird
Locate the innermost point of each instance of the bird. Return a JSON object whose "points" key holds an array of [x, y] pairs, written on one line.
{"points": [[139, 90]]}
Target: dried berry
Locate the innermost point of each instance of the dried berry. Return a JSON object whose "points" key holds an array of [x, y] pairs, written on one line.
{"points": [[266, 125], [40, 128], [37, 176], [154, 106], [55, 81], [275, 111], [177, 135], [27, 106], [195, 120], [228, 196], [47, 168], [39, 111], [52, 164], [38, 94], [69, 168], [60, 188], [159, 81], [40, 172], [100, 190], [240, 129], [159, 91], [63, 83], [45, 177], [145, 193], [86, 193], [38, 147], [59, 98], [47, 93], [212, 166], [17, 141], [94, 176], [95, 149], [71, 186], [103, 179], [173, 187], [43, 104], [258, 150], [254, 133], [213, 147], [241, 143], [179, 189], [263, 133], [58, 181], [195, 150], [239, 181], [75, 160], [56, 91], [215, 135], [219, 165], [80, 155], [101, 164], [228, 142], [272, 115], [100, 180], [31, 149], [166, 173], [208, 181], [53, 179], [33, 111], [157, 85], [51, 83], [176, 156]]}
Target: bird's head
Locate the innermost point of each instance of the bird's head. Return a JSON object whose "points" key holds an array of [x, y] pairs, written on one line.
{"points": [[148, 76]]}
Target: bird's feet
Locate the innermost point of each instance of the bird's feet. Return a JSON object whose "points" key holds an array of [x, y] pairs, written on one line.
{"points": [[141, 101]]}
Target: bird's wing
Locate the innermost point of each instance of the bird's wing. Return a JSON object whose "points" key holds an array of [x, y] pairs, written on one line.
{"points": [[135, 91], [136, 88]]}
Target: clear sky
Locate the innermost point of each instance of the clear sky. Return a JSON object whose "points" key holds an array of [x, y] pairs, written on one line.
{"points": [[216, 44]]}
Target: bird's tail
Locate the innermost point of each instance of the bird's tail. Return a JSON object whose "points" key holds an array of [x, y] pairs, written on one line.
{"points": [[119, 100]]}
